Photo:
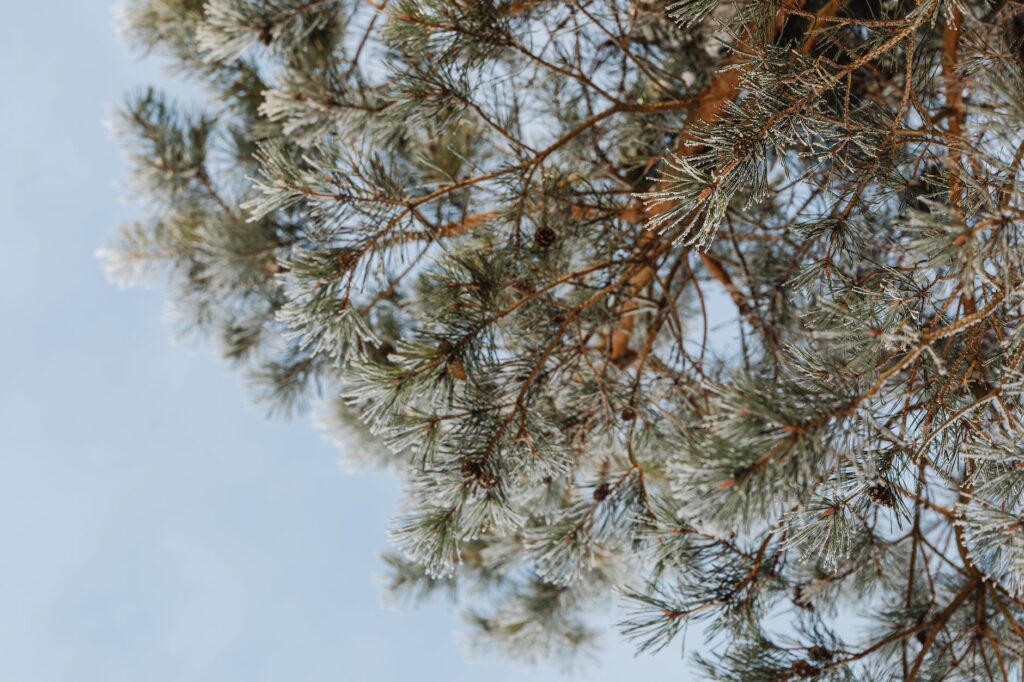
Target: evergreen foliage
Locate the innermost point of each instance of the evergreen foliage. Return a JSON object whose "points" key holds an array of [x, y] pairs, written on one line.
{"points": [[489, 237]]}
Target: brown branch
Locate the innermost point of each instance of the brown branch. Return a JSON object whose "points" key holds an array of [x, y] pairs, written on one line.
{"points": [[706, 107], [940, 622], [465, 224], [954, 99]]}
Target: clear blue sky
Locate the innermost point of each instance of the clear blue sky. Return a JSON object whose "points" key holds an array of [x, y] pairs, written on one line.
{"points": [[153, 526]]}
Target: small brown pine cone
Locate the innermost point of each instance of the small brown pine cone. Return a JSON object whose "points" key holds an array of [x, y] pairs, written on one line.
{"points": [[470, 468], [473, 471], [601, 491], [743, 147], [456, 370], [881, 495], [545, 237]]}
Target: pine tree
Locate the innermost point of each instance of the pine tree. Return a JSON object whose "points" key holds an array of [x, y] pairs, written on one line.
{"points": [[492, 240]]}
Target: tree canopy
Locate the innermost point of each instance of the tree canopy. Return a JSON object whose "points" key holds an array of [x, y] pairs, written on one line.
{"points": [[708, 309]]}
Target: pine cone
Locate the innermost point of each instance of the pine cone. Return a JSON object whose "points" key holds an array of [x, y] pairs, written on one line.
{"points": [[473, 471], [456, 370], [743, 147], [545, 237], [881, 495]]}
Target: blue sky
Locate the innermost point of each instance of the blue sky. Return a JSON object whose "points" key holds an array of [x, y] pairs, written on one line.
{"points": [[153, 525]]}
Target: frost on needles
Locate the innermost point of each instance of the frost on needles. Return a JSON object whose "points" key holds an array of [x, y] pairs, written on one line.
{"points": [[708, 310]]}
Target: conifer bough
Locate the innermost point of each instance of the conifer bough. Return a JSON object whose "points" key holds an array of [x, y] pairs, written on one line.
{"points": [[712, 310]]}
